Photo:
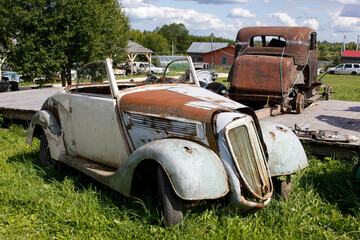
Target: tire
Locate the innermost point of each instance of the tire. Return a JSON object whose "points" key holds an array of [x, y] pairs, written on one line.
{"points": [[170, 203], [283, 188], [300, 103], [353, 73], [328, 92], [45, 157]]}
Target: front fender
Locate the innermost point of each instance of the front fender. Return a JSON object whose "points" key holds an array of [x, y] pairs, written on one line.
{"points": [[286, 154], [51, 128], [195, 171]]}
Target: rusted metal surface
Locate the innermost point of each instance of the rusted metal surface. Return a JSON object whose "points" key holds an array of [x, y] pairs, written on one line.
{"points": [[324, 135], [286, 154], [276, 71]]}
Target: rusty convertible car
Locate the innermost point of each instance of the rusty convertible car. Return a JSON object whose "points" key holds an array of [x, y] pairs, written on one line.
{"points": [[188, 142], [275, 65]]}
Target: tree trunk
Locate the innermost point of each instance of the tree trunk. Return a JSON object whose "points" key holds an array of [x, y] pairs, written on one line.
{"points": [[68, 75], [63, 78]]}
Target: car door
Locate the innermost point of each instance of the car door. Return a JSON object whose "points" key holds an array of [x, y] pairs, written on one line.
{"points": [[339, 69], [348, 68], [96, 130]]}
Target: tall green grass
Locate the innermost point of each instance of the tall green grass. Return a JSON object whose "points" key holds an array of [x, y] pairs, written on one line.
{"points": [[40, 203]]}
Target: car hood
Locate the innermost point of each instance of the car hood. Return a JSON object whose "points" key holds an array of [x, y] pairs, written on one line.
{"points": [[184, 101]]}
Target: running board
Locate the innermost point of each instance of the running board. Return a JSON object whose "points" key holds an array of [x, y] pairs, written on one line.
{"points": [[91, 168], [117, 179]]}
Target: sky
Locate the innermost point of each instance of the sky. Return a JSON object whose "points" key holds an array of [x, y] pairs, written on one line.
{"points": [[332, 19]]}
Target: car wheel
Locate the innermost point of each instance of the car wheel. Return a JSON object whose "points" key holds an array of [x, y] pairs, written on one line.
{"points": [[331, 72], [300, 103], [170, 203], [353, 73], [283, 187], [45, 157]]}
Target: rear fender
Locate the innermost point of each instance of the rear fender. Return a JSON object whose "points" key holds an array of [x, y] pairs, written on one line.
{"points": [[286, 154], [195, 172], [51, 128]]}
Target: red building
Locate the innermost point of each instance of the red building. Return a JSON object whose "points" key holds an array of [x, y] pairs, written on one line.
{"points": [[221, 54], [350, 56]]}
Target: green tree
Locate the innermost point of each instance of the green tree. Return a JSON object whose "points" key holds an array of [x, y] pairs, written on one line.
{"points": [[156, 42], [177, 34], [53, 35]]}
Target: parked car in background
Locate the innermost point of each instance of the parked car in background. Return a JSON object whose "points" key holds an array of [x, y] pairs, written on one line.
{"points": [[345, 68], [10, 76], [202, 66], [9, 81], [154, 70], [168, 134]]}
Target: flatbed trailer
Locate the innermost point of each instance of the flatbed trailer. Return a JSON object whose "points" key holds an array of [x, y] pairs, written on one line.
{"points": [[339, 119]]}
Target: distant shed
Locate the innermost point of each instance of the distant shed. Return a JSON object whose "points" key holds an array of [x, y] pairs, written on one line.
{"points": [[222, 53], [350, 56], [134, 49]]}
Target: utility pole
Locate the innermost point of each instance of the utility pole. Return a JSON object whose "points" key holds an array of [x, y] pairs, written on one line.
{"points": [[344, 46], [357, 45], [212, 56]]}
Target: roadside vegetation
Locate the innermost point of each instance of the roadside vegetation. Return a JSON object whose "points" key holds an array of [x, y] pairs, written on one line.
{"points": [[40, 203]]}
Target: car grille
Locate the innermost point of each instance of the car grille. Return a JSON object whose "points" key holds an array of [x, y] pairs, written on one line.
{"points": [[249, 160], [166, 124]]}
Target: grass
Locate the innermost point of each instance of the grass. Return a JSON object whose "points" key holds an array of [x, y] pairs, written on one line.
{"points": [[39, 203], [346, 87]]}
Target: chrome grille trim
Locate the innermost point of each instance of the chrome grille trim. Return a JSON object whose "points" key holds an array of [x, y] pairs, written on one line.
{"points": [[166, 124], [253, 173]]}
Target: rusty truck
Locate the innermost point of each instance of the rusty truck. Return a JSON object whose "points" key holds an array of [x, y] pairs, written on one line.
{"points": [[275, 65]]}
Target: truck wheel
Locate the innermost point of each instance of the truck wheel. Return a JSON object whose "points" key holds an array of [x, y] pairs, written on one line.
{"points": [[170, 203], [45, 157], [300, 103], [283, 188], [354, 73], [328, 92]]}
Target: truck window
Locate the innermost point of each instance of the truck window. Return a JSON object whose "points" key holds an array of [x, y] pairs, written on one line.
{"points": [[267, 41], [348, 65]]}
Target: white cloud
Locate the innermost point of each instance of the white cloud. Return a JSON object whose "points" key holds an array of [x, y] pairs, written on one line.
{"points": [[266, 1], [344, 24], [312, 23], [347, 1], [142, 12], [238, 24], [217, 2], [284, 18], [240, 13]]}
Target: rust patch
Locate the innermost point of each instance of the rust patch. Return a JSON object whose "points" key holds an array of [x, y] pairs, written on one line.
{"points": [[272, 134], [281, 129], [188, 149]]}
